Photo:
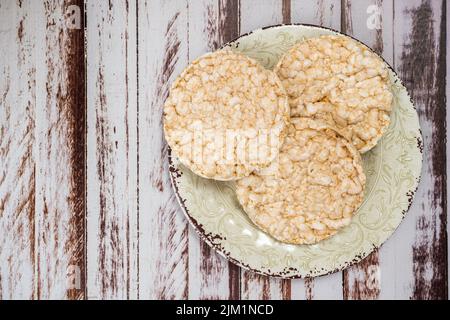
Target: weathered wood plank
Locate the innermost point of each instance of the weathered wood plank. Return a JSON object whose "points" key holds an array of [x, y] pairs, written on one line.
{"points": [[370, 21], [261, 13], [42, 138], [328, 287], [211, 24], [163, 242], [362, 281], [269, 12], [60, 170], [325, 13], [420, 61], [17, 163], [59, 150], [112, 150], [50, 68], [255, 286]]}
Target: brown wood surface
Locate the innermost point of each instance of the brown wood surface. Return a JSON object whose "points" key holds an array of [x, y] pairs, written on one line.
{"points": [[86, 206], [59, 153]]}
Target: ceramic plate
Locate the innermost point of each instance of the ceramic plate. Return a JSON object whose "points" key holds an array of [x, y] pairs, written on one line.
{"points": [[392, 169]]}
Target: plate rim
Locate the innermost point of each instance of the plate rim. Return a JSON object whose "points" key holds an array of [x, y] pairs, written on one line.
{"points": [[174, 174]]}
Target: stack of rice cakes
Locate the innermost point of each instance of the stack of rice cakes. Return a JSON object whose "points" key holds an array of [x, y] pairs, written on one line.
{"points": [[327, 101]]}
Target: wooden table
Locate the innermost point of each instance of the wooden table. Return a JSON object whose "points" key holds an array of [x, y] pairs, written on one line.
{"points": [[86, 206]]}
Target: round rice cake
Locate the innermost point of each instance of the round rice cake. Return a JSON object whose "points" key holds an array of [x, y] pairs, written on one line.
{"points": [[311, 191], [338, 79], [226, 116]]}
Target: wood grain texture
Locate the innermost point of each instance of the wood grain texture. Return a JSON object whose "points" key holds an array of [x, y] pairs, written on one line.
{"points": [[17, 163], [257, 287], [326, 13], [420, 60], [42, 180], [211, 24], [261, 13], [112, 150], [362, 281], [163, 53], [327, 287], [286, 11], [369, 21], [60, 171]]}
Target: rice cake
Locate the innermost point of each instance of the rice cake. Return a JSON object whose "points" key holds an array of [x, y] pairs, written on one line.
{"points": [[338, 79], [311, 191], [218, 111]]}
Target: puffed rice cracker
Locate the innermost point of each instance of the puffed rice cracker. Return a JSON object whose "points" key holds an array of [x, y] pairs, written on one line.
{"points": [[316, 188], [337, 79], [226, 116]]}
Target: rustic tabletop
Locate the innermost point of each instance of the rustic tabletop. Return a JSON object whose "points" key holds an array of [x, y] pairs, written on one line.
{"points": [[86, 206]]}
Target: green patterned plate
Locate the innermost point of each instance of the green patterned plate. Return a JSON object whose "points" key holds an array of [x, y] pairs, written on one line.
{"points": [[392, 169]]}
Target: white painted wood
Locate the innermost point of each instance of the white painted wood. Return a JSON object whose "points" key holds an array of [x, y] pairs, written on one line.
{"points": [[395, 254], [52, 159], [258, 287], [112, 217], [163, 241], [325, 13], [41, 232], [17, 176], [257, 14], [328, 287]]}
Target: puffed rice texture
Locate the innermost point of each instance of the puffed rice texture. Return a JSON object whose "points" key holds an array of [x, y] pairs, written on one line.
{"points": [[226, 116], [311, 191], [337, 79]]}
